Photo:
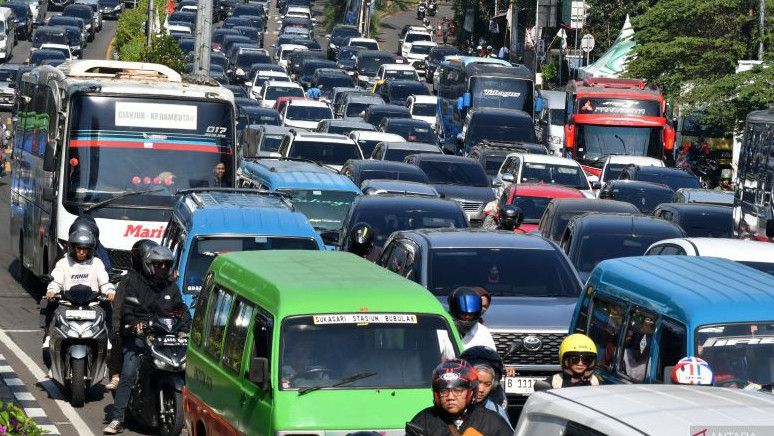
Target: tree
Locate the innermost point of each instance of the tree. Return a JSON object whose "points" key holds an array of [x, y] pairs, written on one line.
{"points": [[606, 17], [166, 51]]}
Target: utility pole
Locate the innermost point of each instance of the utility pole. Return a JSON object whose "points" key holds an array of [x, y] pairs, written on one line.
{"points": [[149, 26], [761, 22], [203, 42]]}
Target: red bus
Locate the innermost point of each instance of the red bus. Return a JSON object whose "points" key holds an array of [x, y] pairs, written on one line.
{"points": [[615, 116]]}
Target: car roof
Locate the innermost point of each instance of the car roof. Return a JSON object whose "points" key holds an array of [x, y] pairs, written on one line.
{"points": [[478, 238], [430, 43], [297, 174], [322, 137], [641, 408], [697, 208], [544, 158], [622, 223], [362, 39], [544, 190], [298, 282], [399, 185], [407, 122], [385, 165], [594, 204], [636, 184], [395, 202], [369, 135], [419, 147], [729, 248], [274, 130], [663, 171], [440, 157], [406, 67], [699, 290], [424, 98], [283, 84], [696, 195], [351, 122], [308, 103], [387, 108], [637, 160]]}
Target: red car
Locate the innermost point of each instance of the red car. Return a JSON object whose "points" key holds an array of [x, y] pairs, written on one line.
{"points": [[532, 199]]}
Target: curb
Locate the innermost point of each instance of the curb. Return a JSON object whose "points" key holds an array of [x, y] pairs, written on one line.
{"points": [[109, 51], [12, 389]]}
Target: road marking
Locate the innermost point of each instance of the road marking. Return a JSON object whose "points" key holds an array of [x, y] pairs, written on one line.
{"points": [[23, 331], [34, 412], [24, 396], [52, 388], [13, 381]]}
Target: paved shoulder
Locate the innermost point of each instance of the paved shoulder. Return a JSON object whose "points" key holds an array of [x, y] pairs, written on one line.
{"points": [[13, 390]]}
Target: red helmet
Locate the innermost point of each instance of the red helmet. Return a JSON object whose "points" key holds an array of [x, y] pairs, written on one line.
{"points": [[454, 373]]}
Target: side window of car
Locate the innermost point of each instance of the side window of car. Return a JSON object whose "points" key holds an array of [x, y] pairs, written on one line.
{"points": [[236, 335], [665, 214], [634, 361], [655, 251], [197, 325], [504, 167], [283, 148], [216, 322], [605, 329], [672, 250], [384, 258], [671, 345], [581, 324], [263, 329], [575, 429]]}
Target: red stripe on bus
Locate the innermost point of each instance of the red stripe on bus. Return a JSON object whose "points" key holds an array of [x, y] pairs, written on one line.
{"points": [[196, 411], [77, 143]]}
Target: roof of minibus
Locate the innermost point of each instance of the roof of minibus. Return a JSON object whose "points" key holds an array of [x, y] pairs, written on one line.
{"points": [[691, 289], [291, 282], [290, 174]]}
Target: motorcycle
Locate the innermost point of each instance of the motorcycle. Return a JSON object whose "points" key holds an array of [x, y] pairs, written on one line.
{"points": [[421, 12], [156, 400], [79, 342], [431, 9], [708, 171]]}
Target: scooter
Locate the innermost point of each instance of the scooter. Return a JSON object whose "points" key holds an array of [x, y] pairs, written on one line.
{"points": [[421, 12], [79, 342], [156, 400]]}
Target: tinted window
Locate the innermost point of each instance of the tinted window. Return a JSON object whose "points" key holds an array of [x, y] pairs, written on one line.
{"points": [[332, 153], [413, 132], [638, 339], [307, 113], [605, 328], [594, 248], [455, 173], [500, 129], [216, 322], [644, 199], [571, 176], [402, 92], [674, 180], [531, 207], [386, 220], [501, 92], [598, 142], [423, 110], [237, 335]]}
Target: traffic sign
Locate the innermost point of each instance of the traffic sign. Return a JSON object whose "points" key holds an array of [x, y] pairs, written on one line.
{"points": [[587, 43], [578, 16]]}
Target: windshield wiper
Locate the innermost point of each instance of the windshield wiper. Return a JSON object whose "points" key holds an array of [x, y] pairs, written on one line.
{"points": [[118, 197], [622, 143], [343, 381]]}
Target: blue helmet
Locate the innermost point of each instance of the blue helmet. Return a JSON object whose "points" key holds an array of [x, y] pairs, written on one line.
{"points": [[465, 301]]}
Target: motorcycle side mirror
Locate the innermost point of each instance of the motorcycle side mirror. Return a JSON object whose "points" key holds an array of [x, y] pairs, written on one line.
{"points": [[259, 372], [133, 301], [361, 239], [541, 385], [516, 346], [330, 237]]}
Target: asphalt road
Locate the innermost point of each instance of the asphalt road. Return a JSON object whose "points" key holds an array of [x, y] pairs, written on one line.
{"points": [[19, 306]]}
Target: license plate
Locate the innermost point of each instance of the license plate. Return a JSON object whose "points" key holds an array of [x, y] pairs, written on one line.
{"points": [[81, 314], [521, 385]]}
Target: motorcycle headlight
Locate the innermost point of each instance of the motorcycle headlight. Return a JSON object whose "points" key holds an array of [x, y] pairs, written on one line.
{"points": [[163, 365]]}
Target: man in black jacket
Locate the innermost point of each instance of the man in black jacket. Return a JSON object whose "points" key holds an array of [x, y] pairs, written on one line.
{"points": [[454, 412], [145, 296]]}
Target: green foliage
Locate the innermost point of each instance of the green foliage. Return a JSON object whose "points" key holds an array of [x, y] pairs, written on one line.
{"points": [[605, 19], [130, 41], [550, 73], [13, 422], [165, 50]]}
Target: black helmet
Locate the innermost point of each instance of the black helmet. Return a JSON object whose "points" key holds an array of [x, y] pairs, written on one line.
{"points": [[465, 301], [139, 249], [154, 255], [481, 354], [85, 222], [83, 239], [510, 217]]}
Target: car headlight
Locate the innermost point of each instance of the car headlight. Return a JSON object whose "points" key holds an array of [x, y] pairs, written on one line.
{"points": [[333, 46]]}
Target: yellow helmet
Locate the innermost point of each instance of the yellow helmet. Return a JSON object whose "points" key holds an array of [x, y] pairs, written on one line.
{"points": [[576, 343]]}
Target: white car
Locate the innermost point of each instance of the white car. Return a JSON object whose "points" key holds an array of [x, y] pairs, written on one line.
{"points": [[178, 29], [423, 107], [284, 50], [255, 88], [273, 90], [63, 48], [327, 149], [412, 36], [613, 165], [397, 71], [756, 254], [552, 118], [367, 139], [367, 43], [299, 11], [305, 114], [417, 53], [541, 168]]}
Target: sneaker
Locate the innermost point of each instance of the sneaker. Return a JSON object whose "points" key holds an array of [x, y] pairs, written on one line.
{"points": [[113, 385], [114, 427], [45, 342]]}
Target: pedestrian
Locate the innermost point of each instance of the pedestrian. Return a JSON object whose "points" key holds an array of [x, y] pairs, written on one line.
{"points": [[503, 53]]}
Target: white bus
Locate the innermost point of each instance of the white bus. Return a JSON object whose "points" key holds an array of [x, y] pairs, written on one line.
{"points": [[754, 202], [115, 140]]}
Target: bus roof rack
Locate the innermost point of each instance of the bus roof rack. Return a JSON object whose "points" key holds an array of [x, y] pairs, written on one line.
{"points": [[614, 83], [120, 70]]}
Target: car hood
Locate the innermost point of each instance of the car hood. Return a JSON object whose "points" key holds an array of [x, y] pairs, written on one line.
{"points": [[482, 194], [430, 120], [309, 125], [530, 313]]}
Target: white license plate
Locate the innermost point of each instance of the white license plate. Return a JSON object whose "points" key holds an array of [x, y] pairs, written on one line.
{"points": [[81, 314], [521, 385]]}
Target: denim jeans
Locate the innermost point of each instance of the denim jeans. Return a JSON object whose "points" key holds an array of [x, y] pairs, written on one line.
{"points": [[134, 348]]}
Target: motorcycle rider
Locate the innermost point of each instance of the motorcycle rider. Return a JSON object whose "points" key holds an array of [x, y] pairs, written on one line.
{"points": [[577, 356], [725, 181], [152, 293], [87, 222], [465, 308], [115, 360], [454, 410], [78, 267], [489, 366]]}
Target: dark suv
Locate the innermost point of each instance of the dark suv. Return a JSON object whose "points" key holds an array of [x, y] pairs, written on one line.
{"points": [[533, 285], [675, 178]]}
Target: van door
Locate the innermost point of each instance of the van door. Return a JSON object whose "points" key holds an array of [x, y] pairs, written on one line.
{"points": [[255, 401], [606, 330]]}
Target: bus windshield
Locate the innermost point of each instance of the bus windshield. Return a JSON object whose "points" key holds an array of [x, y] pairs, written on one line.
{"points": [[598, 142], [325, 210], [501, 92], [127, 144]]}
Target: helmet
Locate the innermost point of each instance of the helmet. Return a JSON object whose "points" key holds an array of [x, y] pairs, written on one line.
{"points": [[139, 249], [85, 222], [479, 47], [510, 217], [465, 301], [481, 354], [692, 371], [156, 254], [725, 174], [576, 344], [489, 47], [454, 373], [81, 238]]}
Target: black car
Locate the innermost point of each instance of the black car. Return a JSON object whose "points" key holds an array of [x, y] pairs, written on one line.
{"points": [[502, 125], [360, 170], [699, 220], [308, 67], [111, 8], [378, 217], [367, 63], [328, 79], [459, 178], [298, 57], [491, 155], [338, 36], [342, 127], [337, 96], [397, 91], [593, 237], [22, 18], [241, 66], [644, 195], [375, 113], [49, 35], [254, 34], [397, 151], [346, 57], [248, 9], [436, 56], [42, 56], [411, 129], [237, 90], [675, 178], [561, 210], [187, 45], [219, 34]]}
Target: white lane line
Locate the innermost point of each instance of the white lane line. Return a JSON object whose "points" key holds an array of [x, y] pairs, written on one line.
{"points": [[53, 389], [24, 396], [13, 381], [5, 369], [34, 412]]}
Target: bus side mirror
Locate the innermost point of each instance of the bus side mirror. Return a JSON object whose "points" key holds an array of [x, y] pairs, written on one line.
{"points": [[49, 163], [460, 104], [259, 372], [539, 105], [466, 100]]}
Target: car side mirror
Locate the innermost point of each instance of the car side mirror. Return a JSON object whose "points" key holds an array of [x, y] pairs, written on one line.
{"points": [[330, 237], [496, 183], [259, 372], [507, 177], [361, 239], [596, 185]]}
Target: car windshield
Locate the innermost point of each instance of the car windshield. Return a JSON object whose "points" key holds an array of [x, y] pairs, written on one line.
{"points": [[369, 65], [496, 130], [612, 171], [413, 37], [421, 49], [204, 250], [384, 350], [674, 180], [307, 113], [501, 92], [246, 59], [503, 272], [572, 176], [412, 132], [344, 32], [767, 267], [402, 92], [42, 37], [644, 199], [325, 210], [595, 248], [271, 143], [401, 74], [275, 92], [328, 82], [330, 153], [739, 354], [423, 110], [368, 45], [532, 207], [124, 144], [8, 75], [454, 173], [599, 141], [257, 116], [386, 220]]}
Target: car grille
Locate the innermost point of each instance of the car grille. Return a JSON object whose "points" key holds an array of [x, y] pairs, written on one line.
{"points": [[470, 206], [548, 354], [121, 259]]}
